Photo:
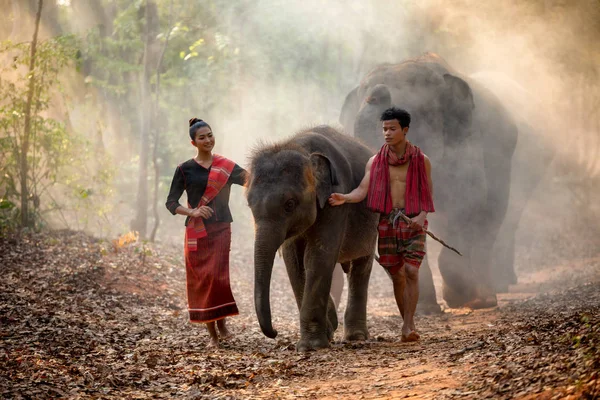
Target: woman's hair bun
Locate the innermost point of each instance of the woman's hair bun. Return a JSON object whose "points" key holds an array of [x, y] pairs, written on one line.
{"points": [[194, 120]]}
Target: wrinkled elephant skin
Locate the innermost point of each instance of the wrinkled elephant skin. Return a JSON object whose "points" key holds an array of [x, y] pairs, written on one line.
{"points": [[288, 188], [470, 139]]}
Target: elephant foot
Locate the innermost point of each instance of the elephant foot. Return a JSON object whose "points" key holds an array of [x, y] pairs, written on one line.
{"points": [[456, 298], [482, 302], [356, 334], [305, 345], [429, 308], [475, 299], [332, 322]]}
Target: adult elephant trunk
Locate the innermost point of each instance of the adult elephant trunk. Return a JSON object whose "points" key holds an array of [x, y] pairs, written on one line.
{"points": [[366, 126], [266, 243]]}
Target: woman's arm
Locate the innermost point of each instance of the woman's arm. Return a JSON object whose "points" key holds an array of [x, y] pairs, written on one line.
{"points": [[175, 192], [238, 175]]}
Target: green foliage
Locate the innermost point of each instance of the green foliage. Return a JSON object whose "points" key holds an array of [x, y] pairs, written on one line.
{"points": [[56, 156]]}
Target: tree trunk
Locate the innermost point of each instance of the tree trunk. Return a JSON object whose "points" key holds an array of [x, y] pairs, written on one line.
{"points": [[150, 32], [25, 220], [157, 128]]}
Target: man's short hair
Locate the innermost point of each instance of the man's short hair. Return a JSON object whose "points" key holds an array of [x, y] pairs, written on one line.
{"points": [[401, 115]]}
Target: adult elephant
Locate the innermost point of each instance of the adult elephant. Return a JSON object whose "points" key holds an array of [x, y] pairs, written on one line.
{"points": [[288, 188], [470, 139]]}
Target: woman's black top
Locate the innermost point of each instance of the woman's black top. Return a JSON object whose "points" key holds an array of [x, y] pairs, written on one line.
{"points": [[193, 177]]}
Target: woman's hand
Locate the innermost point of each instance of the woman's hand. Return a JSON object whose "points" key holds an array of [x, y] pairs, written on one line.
{"points": [[337, 199], [202, 212]]}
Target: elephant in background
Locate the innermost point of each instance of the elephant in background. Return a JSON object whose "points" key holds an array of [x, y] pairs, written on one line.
{"points": [[470, 139], [534, 153], [288, 188]]}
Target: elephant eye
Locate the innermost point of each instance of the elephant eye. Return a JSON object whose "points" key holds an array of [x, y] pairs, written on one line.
{"points": [[289, 205]]}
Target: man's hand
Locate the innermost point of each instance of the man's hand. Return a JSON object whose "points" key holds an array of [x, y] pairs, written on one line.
{"points": [[418, 222], [202, 211], [337, 199]]}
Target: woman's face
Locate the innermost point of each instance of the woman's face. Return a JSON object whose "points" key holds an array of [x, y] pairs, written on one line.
{"points": [[204, 141]]}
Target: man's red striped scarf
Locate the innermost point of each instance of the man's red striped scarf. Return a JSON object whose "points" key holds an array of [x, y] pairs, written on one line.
{"points": [[417, 195], [218, 176]]}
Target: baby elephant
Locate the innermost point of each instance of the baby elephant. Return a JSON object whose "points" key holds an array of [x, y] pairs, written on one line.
{"points": [[288, 188]]}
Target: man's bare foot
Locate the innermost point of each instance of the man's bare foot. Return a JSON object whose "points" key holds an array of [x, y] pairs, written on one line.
{"points": [[411, 337], [213, 344]]}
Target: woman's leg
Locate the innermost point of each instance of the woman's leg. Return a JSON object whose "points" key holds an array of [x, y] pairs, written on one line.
{"points": [[214, 339], [223, 331]]}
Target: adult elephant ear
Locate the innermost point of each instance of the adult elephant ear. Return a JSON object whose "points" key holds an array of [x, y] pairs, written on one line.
{"points": [[349, 111], [325, 177], [459, 89], [458, 105]]}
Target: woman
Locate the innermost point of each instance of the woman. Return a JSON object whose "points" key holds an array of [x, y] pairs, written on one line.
{"points": [[207, 179]]}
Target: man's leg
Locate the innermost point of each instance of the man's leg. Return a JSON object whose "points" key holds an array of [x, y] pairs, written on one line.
{"points": [[411, 297], [399, 283], [414, 251]]}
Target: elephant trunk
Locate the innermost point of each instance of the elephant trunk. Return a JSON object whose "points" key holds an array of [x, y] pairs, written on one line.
{"points": [[367, 121], [265, 246]]}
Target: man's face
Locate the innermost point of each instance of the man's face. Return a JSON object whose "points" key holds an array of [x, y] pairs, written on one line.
{"points": [[205, 141], [393, 133]]}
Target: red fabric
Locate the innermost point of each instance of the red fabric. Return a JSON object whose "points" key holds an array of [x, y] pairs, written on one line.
{"points": [[218, 176], [417, 196], [398, 244], [207, 276]]}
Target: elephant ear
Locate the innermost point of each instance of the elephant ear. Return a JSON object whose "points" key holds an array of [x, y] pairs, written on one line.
{"points": [[458, 105], [460, 90], [349, 111], [380, 96], [325, 177]]}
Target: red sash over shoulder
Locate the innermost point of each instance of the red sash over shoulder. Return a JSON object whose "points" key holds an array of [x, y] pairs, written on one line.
{"points": [[418, 194], [218, 176]]}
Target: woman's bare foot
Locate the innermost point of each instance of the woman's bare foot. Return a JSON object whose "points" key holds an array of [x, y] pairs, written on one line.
{"points": [[214, 339], [223, 331]]}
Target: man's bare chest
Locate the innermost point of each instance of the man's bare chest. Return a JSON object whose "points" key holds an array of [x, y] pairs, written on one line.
{"points": [[398, 172]]}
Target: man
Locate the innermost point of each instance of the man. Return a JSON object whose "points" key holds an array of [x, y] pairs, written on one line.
{"points": [[398, 180]]}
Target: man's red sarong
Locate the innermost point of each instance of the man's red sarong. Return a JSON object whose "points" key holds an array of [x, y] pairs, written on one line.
{"points": [[207, 275], [399, 244]]}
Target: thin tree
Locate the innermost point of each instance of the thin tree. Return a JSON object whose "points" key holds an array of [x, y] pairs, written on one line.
{"points": [[25, 220], [157, 128], [140, 221]]}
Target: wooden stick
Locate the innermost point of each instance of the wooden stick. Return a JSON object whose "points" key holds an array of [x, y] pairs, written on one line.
{"points": [[408, 221]]}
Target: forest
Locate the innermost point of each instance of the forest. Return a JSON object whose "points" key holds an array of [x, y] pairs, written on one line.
{"points": [[95, 98]]}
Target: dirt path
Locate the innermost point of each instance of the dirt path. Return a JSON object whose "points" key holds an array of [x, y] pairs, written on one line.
{"points": [[78, 320]]}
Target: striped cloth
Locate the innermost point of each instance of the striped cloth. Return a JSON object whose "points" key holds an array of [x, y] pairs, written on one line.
{"points": [[399, 244], [220, 171], [207, 276], [417, 195]]}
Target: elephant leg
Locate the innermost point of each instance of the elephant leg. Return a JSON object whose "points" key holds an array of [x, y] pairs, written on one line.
{"points": [[503, 272], [427, 300], [459, 282], [315, 327], [481, 260], [467, 279], [355, 317], [293, 256], [487, 220], [337, 285]]}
